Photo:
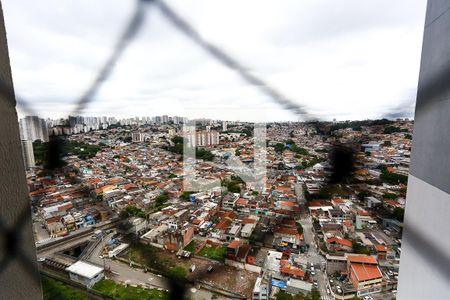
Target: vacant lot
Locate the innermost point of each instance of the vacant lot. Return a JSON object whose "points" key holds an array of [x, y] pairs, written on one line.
{"points": [[119, 291], [233, 279], [225, 277], [217, 253]]}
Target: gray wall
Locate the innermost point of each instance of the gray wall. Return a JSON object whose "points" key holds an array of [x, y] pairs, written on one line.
{"points": [[18, 274], [425, 260]]}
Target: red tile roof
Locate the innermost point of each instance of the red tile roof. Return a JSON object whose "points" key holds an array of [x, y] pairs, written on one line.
{"points": [[241, 202], [366, 272], [363, 259], [234, 244], [391, 202], [286, 231], [287, 268], [223, 224], [381, 248], [248, 221], [339, 241], [339, 201]]}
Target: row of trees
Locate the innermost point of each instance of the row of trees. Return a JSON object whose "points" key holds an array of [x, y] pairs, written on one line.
{"points": [[392, 178], [63, 147], [177, 148]]}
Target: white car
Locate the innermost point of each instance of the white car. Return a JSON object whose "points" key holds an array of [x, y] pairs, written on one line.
{"points": [[367, 298]]}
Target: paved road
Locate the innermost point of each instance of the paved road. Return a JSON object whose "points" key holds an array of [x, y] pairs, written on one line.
{"points": [[40, 234], [315, 258], [123, 272], [135, 276]]}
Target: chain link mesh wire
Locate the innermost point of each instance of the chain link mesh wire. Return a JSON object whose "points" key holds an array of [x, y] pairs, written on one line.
{"points": [[341, 156]]}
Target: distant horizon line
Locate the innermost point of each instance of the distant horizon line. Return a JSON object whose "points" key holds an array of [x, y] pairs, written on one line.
{"points": [[223, 120]]}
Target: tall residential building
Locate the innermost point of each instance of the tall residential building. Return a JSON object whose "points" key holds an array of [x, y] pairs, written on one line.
{"points": [[137, 137], [203, 138], [165, 119], [28, 154], [224, 126], [33, 128], [177, 120]]}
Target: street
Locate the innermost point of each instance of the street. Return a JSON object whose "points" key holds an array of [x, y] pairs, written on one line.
{"points": [[135, 276], [315, 258]]}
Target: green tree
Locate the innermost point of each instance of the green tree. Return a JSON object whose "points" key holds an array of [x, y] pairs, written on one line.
{"points": [[299, 150], [177, 273], [399, 214], [204, 154], [289, 142], [132, 211], [282, 295], [279, 147], [186, 195], [390, 196], [161, 200], [359, 248], [391, 129]]}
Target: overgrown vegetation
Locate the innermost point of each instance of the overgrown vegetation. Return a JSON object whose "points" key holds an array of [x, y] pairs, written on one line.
{"points": [[314, 295], [122, 292], [177, 148], [53, 289], [150, 256], [359, 248], [391, 196], [357, 125], [279, 147], [308, 164], [132, 211], [177, 273], [82, 150], [398, 214], [233, 184], [190, 247], [186, 195], [160, 201], [393, 129], [217, 253], [392, 178]]}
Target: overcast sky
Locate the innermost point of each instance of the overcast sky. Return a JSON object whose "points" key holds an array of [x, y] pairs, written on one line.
{"points": [[347, 59]]}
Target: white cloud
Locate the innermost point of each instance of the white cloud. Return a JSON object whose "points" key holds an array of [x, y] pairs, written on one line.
{"points": [[348, 59]]}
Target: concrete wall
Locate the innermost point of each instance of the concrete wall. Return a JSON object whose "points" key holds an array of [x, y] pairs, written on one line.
{"points": [[425, 261], [19, 278]]}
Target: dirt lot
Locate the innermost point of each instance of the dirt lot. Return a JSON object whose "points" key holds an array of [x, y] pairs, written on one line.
{"points": [[233, 279], [226, 277]]}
